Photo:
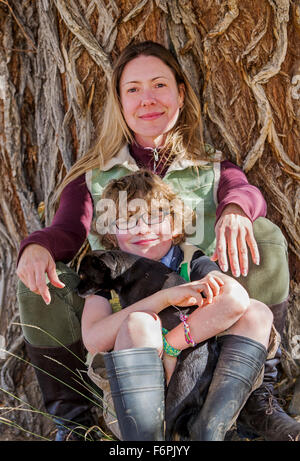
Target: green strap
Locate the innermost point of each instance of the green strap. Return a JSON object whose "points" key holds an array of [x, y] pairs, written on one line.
{"points": [[169, 350], [184, 272]]}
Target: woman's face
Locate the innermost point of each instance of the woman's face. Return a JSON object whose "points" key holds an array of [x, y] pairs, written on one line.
{"points": [[150, 99]]}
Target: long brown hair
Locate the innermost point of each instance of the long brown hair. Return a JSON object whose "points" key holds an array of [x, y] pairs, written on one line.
{"points": [[184, 140]]}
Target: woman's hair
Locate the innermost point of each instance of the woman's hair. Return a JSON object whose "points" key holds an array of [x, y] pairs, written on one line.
{"points": [[185, 139], [155, 194]]}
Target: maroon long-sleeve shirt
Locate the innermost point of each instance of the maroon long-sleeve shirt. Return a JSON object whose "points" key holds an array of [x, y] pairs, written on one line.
{"points": [[72, 221]]}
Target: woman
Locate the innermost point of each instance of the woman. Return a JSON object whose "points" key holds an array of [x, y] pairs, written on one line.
{"points": [[152, 119]]}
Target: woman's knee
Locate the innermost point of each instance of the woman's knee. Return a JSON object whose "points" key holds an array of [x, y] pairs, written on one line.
{"points": [[60, 319], [273, 270]]}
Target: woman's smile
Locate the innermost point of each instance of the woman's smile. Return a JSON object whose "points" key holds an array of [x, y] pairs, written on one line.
{"points": [[151, 116]]}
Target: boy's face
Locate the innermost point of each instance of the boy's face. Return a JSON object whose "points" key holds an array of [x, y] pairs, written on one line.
{"points": [[147, 239]]}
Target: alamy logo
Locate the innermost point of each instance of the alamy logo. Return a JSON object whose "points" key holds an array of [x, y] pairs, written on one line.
{"points": [[187, 217]]}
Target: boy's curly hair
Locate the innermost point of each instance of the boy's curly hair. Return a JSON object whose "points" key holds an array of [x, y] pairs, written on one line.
{"points": [[148, 186]]}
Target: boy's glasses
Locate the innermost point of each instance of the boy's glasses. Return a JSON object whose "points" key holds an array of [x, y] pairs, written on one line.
{"points": [[149, 219]]}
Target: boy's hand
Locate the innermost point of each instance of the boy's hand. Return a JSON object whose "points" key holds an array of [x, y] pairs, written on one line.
{"points": [[189, 294]]}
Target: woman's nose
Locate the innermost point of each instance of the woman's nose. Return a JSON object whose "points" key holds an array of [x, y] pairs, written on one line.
{"points": [[147, 98]]}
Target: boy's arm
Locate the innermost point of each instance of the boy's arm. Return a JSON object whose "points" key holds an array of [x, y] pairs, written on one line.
{"points": [[96, 308], [100, 327]]}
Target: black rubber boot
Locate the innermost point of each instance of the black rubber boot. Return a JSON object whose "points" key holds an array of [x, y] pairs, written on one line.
{"points": [[71, 411], [240, 362], [262, 416], [136, 378]]}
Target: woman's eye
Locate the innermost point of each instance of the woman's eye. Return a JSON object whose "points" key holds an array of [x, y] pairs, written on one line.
{"points": [[132, 90], [160, 85]]}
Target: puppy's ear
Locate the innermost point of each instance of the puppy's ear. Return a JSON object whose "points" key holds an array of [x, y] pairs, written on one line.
{"points": [[97, 263], [110, 260], [93, 267], [100, 270]]}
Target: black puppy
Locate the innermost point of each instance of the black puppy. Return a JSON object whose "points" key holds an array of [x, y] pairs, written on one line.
{"points": [[134, 278]]}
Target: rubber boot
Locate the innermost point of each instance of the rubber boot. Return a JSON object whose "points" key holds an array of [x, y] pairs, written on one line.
{"points": [[240, 362], [69, 408], [262, 415], [136, 379]]}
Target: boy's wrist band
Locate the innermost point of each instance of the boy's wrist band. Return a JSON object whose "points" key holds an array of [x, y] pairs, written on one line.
{"points": [[187, 334], [169, 350]]}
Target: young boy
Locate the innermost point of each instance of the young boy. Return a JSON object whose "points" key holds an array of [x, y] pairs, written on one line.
{"points": [[155, 232]]}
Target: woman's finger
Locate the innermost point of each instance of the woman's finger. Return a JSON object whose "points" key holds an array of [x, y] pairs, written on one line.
{"points": [[53, 277], [233, 253], [221, 248], [30, 281], [42, 287], [253, 246], [243, 252]]}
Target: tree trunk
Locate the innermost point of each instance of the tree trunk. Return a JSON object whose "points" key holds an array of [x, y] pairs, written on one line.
{"points": [[243, 60]]}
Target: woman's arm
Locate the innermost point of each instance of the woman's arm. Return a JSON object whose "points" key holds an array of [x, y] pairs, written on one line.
{"points": [[58, 242], [234, 188], [70, 225]]}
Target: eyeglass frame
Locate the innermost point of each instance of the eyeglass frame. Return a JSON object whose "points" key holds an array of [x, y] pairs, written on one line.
{"points": [[141, 216]]}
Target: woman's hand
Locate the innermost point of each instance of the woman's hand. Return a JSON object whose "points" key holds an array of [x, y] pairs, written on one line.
{"points": [[34, 263], [189, 294], [234, 234]]}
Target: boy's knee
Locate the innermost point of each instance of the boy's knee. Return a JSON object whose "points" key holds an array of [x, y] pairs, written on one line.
{"points": [[259, 313], [236, 297], [142, 322], [146, 325]]}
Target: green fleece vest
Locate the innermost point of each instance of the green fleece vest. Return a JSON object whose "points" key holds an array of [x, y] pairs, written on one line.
{"points": [[196, 186]]}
